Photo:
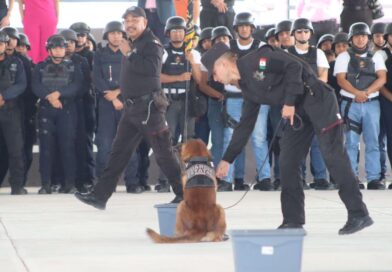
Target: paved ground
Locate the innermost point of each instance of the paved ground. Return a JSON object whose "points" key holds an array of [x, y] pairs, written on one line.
{"points": [[58, 233]]}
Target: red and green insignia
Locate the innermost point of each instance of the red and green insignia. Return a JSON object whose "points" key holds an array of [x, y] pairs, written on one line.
{"points": [[262, 64]]}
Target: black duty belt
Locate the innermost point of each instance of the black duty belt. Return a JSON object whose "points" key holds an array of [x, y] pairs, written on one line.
{"points": [[233, 95], [355, 7], [349, 99], [139, 99]]}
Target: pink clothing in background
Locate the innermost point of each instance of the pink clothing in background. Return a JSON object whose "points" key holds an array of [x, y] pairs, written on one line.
{"points": [[319, 10], [150, 4], [40, 22]]}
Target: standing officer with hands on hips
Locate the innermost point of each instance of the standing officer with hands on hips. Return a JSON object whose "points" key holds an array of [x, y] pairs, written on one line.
{"points": [[144, 114], [272, 76]]}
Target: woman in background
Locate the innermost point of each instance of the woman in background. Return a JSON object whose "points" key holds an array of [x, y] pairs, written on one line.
{"points": [[39, 18]]}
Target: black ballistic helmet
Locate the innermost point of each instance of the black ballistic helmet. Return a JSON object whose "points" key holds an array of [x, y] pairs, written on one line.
{"points": [[24, 40], [174, 22], [269, 34], [244, 18], [197, 30], [220, 31], [69, 35], [359, 29], [301, 23], [388, 31], [283, 26], [80, 27], [4, 38], [91, 38], [339, 38], [377, 28], [56, 41], [11, 32], [111, 27], [206, 33], [324, 38]]}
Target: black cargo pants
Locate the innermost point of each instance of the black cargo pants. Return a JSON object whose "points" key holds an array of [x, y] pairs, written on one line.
{"points": [[140, 120]]}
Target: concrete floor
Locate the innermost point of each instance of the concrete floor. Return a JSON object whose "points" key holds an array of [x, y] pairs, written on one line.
{"points": [[58, 233]]}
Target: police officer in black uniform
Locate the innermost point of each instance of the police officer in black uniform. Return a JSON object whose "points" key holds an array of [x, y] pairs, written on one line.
{"points": [[57, 81], [106, 77], [12, 85], [272, 76], [27, 100], [82, 179], [85, 169], [144, 114]]}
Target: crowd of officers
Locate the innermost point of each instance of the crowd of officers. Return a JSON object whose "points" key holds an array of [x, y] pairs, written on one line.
{"points": [[73, 100]]}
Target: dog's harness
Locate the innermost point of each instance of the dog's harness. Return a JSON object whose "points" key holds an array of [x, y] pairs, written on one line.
{"points": [[199, 172]]}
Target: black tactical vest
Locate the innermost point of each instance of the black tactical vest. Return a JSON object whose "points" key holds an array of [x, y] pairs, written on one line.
{"points": [[310, 57], [361, 71], [110, 66], [175, 64], [388, 64], [55, 76], [8, 71], [199, 173], [240, 52]]}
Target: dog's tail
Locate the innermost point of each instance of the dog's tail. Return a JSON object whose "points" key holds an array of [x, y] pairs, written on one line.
{"points": [[157, 238]]}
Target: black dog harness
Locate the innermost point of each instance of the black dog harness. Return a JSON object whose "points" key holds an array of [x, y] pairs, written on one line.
{"points": [[200, 173]]}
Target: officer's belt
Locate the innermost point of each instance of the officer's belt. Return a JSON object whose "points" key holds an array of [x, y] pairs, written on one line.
{"points": [[233, 95], [173, 91], [139, 99], [355, 7], [349, 99]]}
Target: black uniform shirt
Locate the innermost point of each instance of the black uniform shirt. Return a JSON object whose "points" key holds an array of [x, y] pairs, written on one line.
{"points": [[141, 71], [275, 77], [269, 76]]}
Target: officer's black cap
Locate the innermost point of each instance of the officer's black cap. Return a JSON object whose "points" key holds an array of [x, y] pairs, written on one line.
{"points": [[212, 55], [135, 12]]}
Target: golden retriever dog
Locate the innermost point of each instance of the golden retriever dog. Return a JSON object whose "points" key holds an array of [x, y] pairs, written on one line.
{"points": [[199, 218]]}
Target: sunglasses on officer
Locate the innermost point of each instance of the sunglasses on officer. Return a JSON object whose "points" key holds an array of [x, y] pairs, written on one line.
{"points": [[300, 31]]}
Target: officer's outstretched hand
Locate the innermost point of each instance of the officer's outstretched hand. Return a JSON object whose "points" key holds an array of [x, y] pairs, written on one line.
{"points": [[288, 112], [223, 169]]}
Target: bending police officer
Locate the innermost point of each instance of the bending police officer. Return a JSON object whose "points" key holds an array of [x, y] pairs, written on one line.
{"points": [[272, 76]]}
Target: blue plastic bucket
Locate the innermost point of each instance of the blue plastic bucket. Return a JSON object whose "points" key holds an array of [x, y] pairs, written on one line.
{"points": [[277, 250], [167, 218]]}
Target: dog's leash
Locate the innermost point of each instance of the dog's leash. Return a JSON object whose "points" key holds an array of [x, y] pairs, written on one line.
{"points": [[280, 128]]}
